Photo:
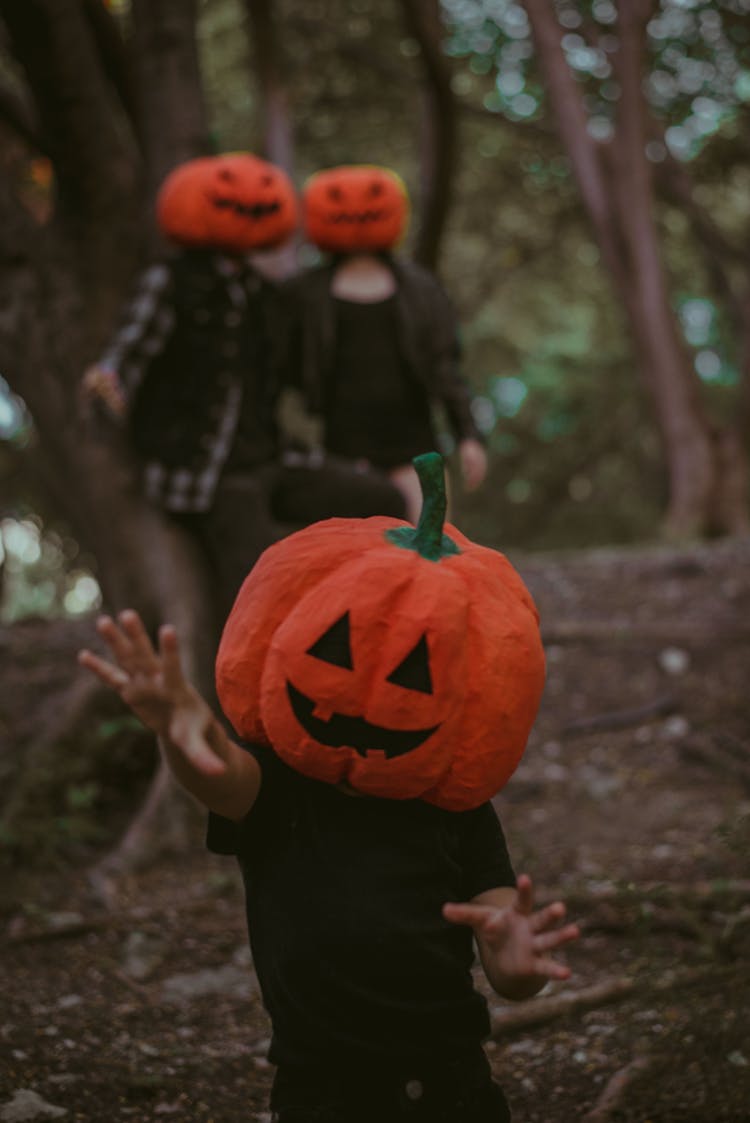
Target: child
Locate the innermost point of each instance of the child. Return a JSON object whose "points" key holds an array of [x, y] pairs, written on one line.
{"points": [[377, 344], [361, 908]]}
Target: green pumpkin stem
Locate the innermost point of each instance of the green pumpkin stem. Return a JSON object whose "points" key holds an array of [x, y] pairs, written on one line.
{"points": [[427, 539]]}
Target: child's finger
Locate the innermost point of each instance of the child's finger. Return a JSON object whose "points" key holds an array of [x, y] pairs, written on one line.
{"points": [[525, 895], [142, 648], [109, 674], [473, 915], [169, 649], [116, 640], [551, 969], [547, 916], [549, 940]]}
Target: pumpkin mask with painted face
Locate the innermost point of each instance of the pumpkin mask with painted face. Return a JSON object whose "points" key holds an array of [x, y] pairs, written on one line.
{"points": [[356, 208], [406, 662], [234, 203]]}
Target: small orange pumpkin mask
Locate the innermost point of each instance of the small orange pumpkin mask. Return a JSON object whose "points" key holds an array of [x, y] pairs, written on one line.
{"points": [[235, 203], [405, 661], [355, 208]]}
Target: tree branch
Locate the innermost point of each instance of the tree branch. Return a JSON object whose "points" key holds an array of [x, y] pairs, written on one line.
{"points": [[53, 43], [440, 132], [570, 110]]}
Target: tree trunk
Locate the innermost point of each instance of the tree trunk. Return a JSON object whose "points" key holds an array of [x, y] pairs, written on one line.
{"points": [[172, 109], [278, 139], [439, 139], [706, 470], [62, 283]]}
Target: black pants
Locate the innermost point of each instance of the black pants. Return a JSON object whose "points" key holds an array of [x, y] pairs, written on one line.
{"points": [[459, 1091], [251, 510]]}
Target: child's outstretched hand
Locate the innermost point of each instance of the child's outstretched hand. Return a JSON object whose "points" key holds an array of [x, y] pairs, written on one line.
{"points": [[152, 683], [515, 941]]}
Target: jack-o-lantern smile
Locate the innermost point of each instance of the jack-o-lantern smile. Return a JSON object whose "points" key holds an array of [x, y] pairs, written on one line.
{"points": [[337, 730], [355, 208], [234, 203], [354, 732], [246, 210]]}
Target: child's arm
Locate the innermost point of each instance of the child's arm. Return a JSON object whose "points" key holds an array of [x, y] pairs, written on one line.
{"points": [[514, 941], [203, 758]]}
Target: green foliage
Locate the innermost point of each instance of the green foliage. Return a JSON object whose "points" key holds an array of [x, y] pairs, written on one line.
{"points": [[44, 573], [79, 794]]}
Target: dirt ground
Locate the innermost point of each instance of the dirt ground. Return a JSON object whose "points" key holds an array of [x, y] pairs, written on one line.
{"points": [[632, 803]]}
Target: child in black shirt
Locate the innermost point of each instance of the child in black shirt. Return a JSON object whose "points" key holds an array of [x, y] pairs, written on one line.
{"points": [[369, 849], [367, 985]]}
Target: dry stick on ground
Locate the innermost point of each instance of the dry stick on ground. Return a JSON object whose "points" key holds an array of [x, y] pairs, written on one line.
{"points": [[621, 719], [613, 1092], [540, 1011], [717, 757]]}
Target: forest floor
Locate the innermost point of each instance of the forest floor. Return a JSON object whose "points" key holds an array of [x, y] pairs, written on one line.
{"points": [[632, 803]]}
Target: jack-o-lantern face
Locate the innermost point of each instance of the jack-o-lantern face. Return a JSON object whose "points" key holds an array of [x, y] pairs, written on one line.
{"points": [[355, 208], [234, 203], [412, 673], [406, 663]]}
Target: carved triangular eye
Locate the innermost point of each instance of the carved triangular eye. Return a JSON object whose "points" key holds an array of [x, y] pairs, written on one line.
{"points": [[334, 645], [413, 672]]}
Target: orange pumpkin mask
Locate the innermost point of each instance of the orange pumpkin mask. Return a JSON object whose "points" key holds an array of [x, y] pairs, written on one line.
{"points": [[235, 203], [406, 662], [355, 208]]}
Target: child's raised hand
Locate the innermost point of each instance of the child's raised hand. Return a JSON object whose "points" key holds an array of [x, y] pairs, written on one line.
{"points": [[152, 683], [515, 941]]}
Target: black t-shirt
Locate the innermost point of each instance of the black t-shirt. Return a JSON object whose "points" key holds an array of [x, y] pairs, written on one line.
{"points": [[344, 897], [375, 407]]}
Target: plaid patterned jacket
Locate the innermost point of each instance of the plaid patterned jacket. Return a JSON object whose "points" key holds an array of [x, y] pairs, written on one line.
{"points": [[196, 338]]}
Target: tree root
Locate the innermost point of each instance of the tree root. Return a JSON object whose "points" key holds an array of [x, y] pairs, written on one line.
{"points": [[159, 824], [612, 1095], [540, 1011], [621, 719], [722, 757]]}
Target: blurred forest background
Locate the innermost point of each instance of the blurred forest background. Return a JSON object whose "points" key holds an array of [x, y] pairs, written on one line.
{"points": [[580, 174]]}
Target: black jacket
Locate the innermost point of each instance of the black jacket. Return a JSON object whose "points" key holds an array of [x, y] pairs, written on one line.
{"points": [[427, 330]]}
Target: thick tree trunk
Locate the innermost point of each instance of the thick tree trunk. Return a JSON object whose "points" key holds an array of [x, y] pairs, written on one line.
{"points": [[61, 285], [172, 109], [670, 376], [439, 134], [706, 472]]}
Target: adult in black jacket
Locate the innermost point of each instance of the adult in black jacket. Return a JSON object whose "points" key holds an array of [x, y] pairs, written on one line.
{"points": [[376, 345]]}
